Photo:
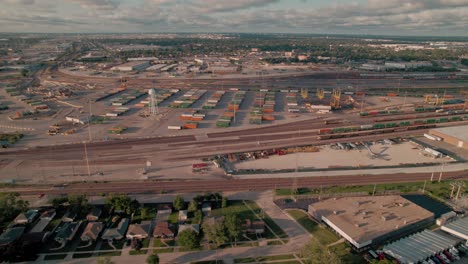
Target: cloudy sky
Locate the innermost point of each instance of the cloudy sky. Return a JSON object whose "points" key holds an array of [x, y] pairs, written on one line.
{"points": [[390, 17]]}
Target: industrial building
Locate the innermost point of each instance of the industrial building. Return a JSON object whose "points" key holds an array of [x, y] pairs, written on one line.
{"points": [[132, 66], [457, 136], [419, 247], [458, 228], [367, 220]]}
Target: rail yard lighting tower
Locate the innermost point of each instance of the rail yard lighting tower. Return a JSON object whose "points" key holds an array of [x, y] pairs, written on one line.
{"points": [[153, 102]]}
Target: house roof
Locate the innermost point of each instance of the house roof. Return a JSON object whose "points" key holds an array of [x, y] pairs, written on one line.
{"points": [[92, 230], [28, 216], [183, 214], [96, 212], [70, 215], [66, 230], [193, 227], [118, 232], [139, 229], [162, 229], [50, 213], [11, 235]]}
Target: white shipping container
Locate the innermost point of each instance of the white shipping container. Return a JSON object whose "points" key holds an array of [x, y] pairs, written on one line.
{"points": [[174, 127], [292, 104], [284, 91], [293, 91], [366, 126]]}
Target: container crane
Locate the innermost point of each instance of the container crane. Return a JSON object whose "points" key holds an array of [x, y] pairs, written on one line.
{"points": [[320, 93], [335, 98]]}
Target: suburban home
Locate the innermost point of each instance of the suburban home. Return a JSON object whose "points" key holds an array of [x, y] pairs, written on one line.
{"points": [[206, 208], [67, 231], [163, 230], [94, 214], [183, 215], [11, 235], [44, 220], [118, 232], [69, 216], [254, 227], [92, 231], [26, 218], [163, 212], [139, 231], [193, 227]]}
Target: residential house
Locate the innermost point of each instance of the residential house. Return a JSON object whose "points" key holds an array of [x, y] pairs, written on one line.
{"points": [[26, 218], [44, 220], [94, 214], [163, 212], [194, 227], [92, 231], [118, 232], [11, 235], [206, 208], [183, 216], [139, 231], [163, 230], [69, 216], [254, 227], [67, 231]]}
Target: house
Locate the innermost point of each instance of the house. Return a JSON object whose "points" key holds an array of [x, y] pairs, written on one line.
{"points": [[194, 227], [163, 212], [11, 235], [92, 231], [67, 231], [183, 215], [139, 231], [94, 214], [26, 218], [163, 230], [118, 232], [254, 227], [44, 220], [69, 216], [206, 208]]}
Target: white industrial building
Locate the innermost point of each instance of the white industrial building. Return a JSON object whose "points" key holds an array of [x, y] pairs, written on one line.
{"points": [[132, 66], [458, 228]]}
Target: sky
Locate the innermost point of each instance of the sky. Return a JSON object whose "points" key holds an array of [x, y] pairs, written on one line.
{"points": [[374, 17]]}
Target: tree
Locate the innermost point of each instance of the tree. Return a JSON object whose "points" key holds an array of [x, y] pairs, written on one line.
{"points": [[188, 239], [193, 206], [122, 203], [24, 72], [215, 231], [152, 259], [179, 203], [104, 260], [233, 225], [11, 206], [78, 204], [197, 217], [144, 212], [224, 202], [316, 253]]}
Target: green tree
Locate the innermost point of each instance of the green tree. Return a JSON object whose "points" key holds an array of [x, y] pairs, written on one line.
{"points": [[197, 217], [79, 204], [152, 259], [224, 202], [215, 232], [233, 225], [193, 206], [188, 239], [316, 253], [11, 206], [144, 212], [179, 203], [122, 202]]}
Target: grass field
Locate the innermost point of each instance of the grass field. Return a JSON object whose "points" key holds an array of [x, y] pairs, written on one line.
{"points": [[347, 257], [324, 235], [55, 257], [264, 259]]}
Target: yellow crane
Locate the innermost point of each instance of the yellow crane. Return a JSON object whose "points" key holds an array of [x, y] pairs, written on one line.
{"points": [[304, 93], [335, 98], [320, 93]]}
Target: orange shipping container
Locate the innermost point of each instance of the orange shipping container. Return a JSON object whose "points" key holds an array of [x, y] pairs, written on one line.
{"points": [[269, 117], [392, 94], [190, 126], [233, 107]]}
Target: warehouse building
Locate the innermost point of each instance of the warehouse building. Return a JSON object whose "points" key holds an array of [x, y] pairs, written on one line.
{"points": [[458, 228], [132, 66], [419, 247], [368, 220], [457, 136]]}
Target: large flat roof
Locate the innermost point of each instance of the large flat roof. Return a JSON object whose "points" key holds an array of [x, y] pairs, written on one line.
{"points": [[460, 132], [458, 227], [368, 217]]}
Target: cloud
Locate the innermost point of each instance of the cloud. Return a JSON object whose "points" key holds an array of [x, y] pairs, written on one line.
{"points": [[373, 16]]}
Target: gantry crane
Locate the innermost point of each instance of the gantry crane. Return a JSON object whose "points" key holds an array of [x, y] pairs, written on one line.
{"points": [[304, 93], [320, 93], [335, 98]]}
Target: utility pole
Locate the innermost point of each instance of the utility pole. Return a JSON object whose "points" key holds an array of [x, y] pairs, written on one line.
{"points": [[375, 187], [424, 187], [441, 172], [432, 176]]}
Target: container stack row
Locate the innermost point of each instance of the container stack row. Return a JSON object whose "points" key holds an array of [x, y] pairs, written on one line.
{"points": [[213, 100], [161, 96], [126, 97], [292, 102], [188, 98], [226, 119]]}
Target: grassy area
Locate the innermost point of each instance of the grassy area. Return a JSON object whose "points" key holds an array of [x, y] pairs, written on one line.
{"points": [[347, 257], [174, 218], [158, 243], [138, 252], [82, 255], [440, 190], [237, 207], [324, 235], [163, 250], [268, 220], [55, 257], [274, 242], [110, 254]]}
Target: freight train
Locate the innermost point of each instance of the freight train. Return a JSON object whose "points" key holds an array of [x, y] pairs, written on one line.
{"points": [[339, 132]]}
